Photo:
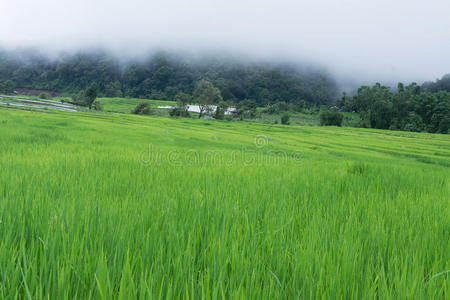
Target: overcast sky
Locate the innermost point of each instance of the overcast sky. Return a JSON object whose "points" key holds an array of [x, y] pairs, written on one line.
{"points": [[392, 39]]}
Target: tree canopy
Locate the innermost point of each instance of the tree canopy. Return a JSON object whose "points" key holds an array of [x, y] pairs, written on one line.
{"points": [[162, 76], [409, 108]]}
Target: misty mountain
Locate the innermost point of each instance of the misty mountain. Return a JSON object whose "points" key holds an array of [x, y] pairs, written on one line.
{"points": [[162, 75]]}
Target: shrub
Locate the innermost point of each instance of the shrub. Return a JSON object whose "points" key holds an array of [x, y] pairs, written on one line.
{"points": [[179, 112], [285, 119], [297, 107], [79, 99], [331, 118], [246, 108], [44, 96], [282, 106], [98, 106], [142, 109], [271, 109], [182, 99]]}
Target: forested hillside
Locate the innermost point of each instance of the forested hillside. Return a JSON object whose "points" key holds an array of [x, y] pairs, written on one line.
{"points": [[162, 76]]}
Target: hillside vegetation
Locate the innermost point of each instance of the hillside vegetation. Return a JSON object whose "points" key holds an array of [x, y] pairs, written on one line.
{"points": [[163, 75]]}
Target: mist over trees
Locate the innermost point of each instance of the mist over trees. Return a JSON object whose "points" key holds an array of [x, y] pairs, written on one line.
{"points": [[442, 84], [214, 80], [162, 76]]}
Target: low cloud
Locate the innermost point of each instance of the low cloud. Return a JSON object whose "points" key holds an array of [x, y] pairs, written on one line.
{"points": [[364, 41]]}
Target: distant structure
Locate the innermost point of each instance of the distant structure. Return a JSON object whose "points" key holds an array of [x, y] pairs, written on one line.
{"points": [[196, 108]]}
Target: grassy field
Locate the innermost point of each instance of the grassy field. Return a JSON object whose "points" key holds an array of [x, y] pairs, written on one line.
{"points": [[302, 118], [126, 105], [120, 206]]}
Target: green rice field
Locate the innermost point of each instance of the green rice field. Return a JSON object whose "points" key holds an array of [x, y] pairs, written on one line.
{"points": [[113, 205]]}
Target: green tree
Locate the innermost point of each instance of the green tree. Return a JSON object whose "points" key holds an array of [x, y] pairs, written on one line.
{"points": [[182, 100], [79, 98], [345, 102], [424, 105], [246, 108], [142, 109], [171, 92], [285, 119], [220, 110], [113, 89], [374, 105], [440, 120], [331, 118], [205, 95], [413, 123], [9, 87], [181, 110], [91, 94], [282, 106]]}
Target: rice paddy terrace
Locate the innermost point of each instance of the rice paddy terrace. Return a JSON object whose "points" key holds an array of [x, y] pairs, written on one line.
{"points": [[119, 206]]}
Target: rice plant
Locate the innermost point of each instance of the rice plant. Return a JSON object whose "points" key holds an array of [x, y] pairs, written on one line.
{"points": [[120, 206]]}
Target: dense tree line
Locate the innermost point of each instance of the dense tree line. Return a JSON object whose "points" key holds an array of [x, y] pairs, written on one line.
{"points": [[7, 87], [410, 108], [162, 76]]}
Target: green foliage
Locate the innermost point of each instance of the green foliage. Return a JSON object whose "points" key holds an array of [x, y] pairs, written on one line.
{"points": [[331, 118], [91, 94], [407, 109], [345, 103], [113, 89], [7, 87], [220, 110], [413, 123], [271, 109], [171, 92], [86, 97], [113, 205], [142, 108], [282, 106], [206, 95], [80, 98], [182, 100], [44, 96], [163, 75], [179, 112], [285, 119], [246, 109], [98, 106]]}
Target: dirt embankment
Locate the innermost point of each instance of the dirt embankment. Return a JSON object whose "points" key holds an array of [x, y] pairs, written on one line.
{"points": [[28, 92]]}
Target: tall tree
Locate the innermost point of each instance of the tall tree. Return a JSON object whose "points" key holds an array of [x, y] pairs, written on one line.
{"points": [[205, 95], [182, 100], [91, 94]]}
